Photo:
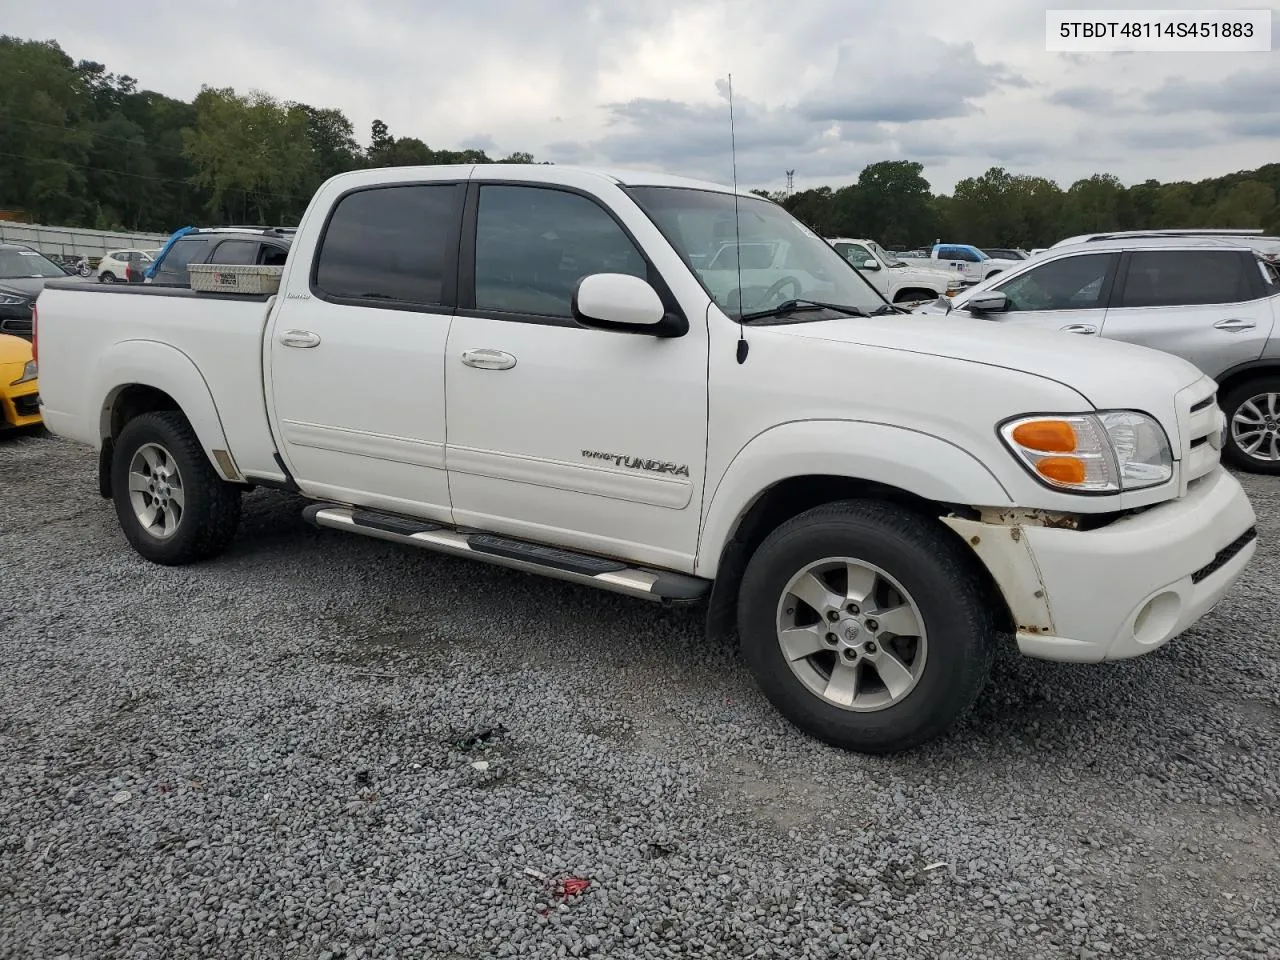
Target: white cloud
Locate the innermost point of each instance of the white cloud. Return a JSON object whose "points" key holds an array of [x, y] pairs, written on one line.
{"points": [[822, 87]]}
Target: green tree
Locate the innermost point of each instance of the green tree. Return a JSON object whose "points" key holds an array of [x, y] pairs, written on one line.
{"points": [[252, 153], [1248, 204]]}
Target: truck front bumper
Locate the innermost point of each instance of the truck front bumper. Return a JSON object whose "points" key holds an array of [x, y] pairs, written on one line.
{"points": [[1124, 589]]}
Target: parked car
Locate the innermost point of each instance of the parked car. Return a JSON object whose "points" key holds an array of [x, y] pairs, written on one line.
{"points": [[264, 246], [118, 265], [969, 263], [895, 280], [522, 365], [19, 390], [1210, 300], [23, 274]]}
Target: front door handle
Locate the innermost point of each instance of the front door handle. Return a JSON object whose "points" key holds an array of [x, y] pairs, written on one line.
{"points": [[488, 359], [1235, 325], [300, 338], [1079, 328]]}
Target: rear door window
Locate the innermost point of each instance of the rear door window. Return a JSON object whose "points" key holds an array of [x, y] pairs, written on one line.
{"points": [[1179, 278], [173, 269], [236, 252], [273, 256], [390, 244]]}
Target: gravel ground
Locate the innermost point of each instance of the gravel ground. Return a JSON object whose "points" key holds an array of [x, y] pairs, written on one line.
{"points": [[268, 756]]}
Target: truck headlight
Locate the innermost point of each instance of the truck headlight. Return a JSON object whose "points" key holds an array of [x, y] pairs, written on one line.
{"points": [[9, 300], [28, 374], [1092, 453]]}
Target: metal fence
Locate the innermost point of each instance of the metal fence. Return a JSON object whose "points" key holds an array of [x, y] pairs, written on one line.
{"points": [[68, 244]]}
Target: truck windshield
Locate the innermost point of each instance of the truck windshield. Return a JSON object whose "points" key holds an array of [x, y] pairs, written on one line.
{"points": [[888, 258], [800, 266], [24, 264]]}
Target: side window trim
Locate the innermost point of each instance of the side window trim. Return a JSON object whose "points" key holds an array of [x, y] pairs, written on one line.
{"points": [[448, 273], [466, 275]]}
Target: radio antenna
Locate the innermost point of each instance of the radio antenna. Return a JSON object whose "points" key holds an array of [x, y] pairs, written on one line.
{"points": [[737, 230]]}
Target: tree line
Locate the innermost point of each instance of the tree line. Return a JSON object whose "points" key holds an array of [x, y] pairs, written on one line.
{"points": [[80, 146], [83, 147], [891, 202]]}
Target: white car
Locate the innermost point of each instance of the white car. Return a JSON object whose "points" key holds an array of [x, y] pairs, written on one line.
{"points": [[896, 281], [526, 365], [116, 265], [1212, 300]]}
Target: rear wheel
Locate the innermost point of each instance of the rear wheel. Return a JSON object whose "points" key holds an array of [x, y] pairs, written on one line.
{"points": [[866, 626], [172, 505], [1253, 426]]}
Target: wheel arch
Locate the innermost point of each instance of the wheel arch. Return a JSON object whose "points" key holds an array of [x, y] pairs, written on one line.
{"points": [[144, 376], [766, 485], [1244, 372]]}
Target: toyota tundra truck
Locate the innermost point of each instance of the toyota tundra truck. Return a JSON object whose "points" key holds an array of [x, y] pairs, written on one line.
{"points": [[560, 371]]}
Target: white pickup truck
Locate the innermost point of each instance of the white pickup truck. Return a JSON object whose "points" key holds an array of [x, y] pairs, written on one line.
{"points": [[522, 365], [896, 281]]}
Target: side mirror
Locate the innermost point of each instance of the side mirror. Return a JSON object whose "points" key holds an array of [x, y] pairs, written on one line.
{"points": [[618, 301], [871, 264], [990, 301]]}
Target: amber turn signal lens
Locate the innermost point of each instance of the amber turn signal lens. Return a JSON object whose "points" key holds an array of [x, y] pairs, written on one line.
{"points": [[1046, 436], [1062, 469]]}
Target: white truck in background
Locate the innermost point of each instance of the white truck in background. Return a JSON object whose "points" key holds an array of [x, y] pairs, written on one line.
{"points": [[895, 280], [966, 261], [550, 369]]}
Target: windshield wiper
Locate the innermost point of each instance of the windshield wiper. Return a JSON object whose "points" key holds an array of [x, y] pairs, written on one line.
{"points": [[799, 306], [887, 309]]}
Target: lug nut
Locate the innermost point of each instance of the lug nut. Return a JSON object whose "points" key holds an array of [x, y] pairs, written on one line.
{"points": [[832, 639], [870, 646], [852, 608], [833, 615], [873, 625]]}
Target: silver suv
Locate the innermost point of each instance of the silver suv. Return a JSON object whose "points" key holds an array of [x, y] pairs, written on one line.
{"points": [[1211, 300]]}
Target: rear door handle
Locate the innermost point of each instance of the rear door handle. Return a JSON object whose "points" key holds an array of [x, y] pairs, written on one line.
{"points": [[488, 359], [1234, 325], [300, 338], [1079, 328]]}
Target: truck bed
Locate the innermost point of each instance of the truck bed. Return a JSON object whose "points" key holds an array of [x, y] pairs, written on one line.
{"points": [[96, 330]]}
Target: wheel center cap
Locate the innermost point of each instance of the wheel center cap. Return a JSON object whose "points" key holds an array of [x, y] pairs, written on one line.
{"points": [[850, 632]]}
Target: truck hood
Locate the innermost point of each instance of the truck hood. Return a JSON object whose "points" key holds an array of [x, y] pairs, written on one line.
{"points": [[914, 272], [1108, 374]]}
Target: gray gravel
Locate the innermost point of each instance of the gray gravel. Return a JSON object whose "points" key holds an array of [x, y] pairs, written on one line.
{"points": [[266, 756]]}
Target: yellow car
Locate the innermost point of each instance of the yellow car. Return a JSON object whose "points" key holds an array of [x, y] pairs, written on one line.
{"points": [[19, 394]]}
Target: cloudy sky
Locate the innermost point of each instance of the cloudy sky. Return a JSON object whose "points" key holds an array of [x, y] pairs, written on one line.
{"points": [[820, 86]]}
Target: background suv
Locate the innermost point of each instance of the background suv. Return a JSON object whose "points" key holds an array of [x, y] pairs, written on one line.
{"points": [[265, 246], [1211, 300], [120, 265]]}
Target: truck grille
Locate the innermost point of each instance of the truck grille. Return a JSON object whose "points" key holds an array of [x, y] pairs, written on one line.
{"points": [[27, 406], [1202, 424]]}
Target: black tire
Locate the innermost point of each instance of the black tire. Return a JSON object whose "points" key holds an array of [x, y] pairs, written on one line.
{"points": [[107, 277], [1232, 452], [932, 566], [211, 511]]}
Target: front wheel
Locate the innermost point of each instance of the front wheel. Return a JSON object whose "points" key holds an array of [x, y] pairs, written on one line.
{"points": [[866, 625], [172, 505], [106, 277], [1253, 426]]}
